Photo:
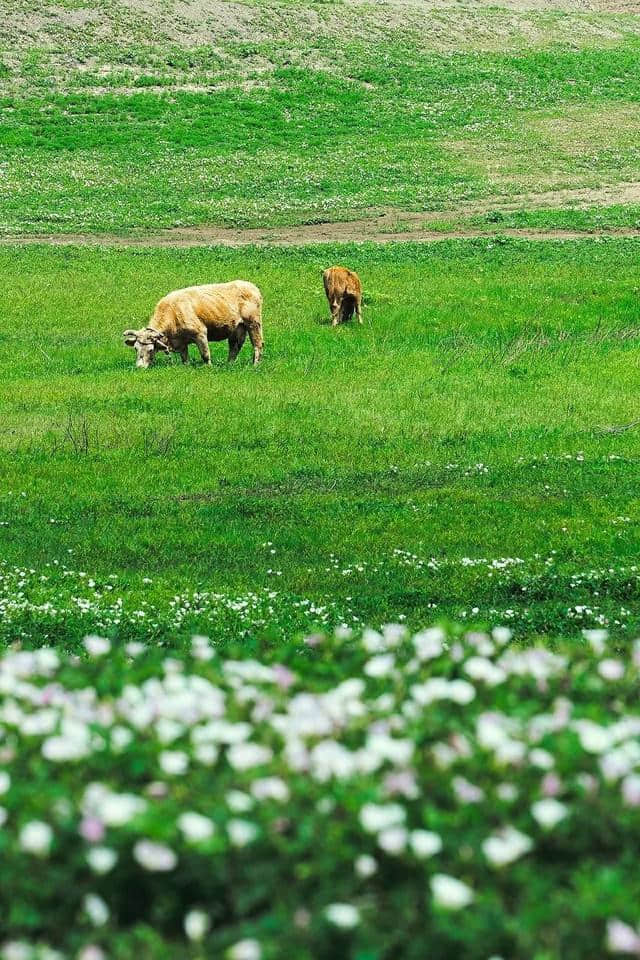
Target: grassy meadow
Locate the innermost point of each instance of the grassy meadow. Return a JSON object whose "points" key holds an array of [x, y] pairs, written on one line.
{"points": [[458, 456], [466, 454]]}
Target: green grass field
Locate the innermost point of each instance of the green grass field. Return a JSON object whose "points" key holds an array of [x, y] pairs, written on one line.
{"points": [[452, 457], [469, 453]]}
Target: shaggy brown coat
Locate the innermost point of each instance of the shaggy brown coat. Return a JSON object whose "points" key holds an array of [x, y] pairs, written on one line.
{"points": [[344, 293], [214, 311]]}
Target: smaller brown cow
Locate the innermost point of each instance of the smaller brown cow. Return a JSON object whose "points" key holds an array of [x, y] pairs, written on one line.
{"points": [[344, 293]]}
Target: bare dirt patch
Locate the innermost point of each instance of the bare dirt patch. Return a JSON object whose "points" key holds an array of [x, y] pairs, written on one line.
{"points": [[41, 23], [66, 27], [205, 237], [571, 6]]}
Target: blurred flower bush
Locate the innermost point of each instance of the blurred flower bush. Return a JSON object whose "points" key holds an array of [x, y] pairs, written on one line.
{"points": [[447, 794]]}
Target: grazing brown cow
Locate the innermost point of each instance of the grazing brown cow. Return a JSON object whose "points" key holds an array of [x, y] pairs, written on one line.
{"points": [[214, 311], [344, 293]]}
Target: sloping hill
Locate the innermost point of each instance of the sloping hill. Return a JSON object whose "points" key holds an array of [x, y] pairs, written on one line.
{"points": [[127, 115]]}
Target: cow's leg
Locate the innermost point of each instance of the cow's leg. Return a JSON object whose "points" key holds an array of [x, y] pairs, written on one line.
{"points": [[254, 327], [203, 346], [336, 313], [184, 353], [359, 309], [236, 341]]}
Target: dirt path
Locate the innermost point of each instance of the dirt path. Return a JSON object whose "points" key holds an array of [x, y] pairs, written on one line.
{"points": [[302, 236], [384, 226]]}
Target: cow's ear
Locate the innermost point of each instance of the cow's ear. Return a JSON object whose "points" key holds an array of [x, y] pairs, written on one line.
{"points": [[130, 337]]}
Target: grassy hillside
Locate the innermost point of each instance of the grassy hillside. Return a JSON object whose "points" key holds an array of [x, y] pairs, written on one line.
{"points": [[120, 116], [460, 454]]}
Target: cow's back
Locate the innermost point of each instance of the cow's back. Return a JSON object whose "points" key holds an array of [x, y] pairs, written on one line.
{"points": [[220, 306]]}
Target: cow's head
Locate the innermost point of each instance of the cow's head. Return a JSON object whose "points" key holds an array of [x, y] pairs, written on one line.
{"points": [[146, 343]]}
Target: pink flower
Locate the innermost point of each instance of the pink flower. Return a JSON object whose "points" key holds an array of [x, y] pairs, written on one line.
{"points": [[157, 789], [92, 829], [631, 790], [562, 711], [47, 694], [467, 792], [621, 938], [284, 677], [302, 918], [402, 782], [91, 952], [588, 783], [551, 785]]}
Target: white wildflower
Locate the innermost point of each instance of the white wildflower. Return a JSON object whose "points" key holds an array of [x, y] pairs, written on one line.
{"points": [[342, 915], [16, 950], [206, 754], [449, 893], [379, 666], [96, 909], [270, 788], [245, 950], [201, 648], [36, 837], [501, 635], [196, 925], [238, 801], [375, 817], [611, 669], [101, 859], [365, 866], [480, 668], [155, 857], [596, 639], [593, 737], [195, 827], [505, 846], [549, 812], [119, 808], [429, 643], [373, 642], [241, 832], [96, 646], [388, 748], [244, 756], [424, 843], [541, 758], [174, 762], [135, 648], [393, 840]]}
